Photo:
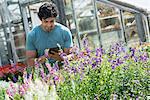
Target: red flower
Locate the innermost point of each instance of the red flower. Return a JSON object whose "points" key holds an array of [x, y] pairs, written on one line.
{"points": [[19, 67]]}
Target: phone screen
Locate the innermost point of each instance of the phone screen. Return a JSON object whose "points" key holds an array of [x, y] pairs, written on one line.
{"points": [[56, 49]]}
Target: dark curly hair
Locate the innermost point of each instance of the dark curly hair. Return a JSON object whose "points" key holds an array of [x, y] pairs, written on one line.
{"points": [[47, 10]]}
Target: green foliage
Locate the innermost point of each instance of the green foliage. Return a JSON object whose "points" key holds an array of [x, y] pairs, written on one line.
{"points": [[18, 97], [116, 74], [2, 94], [129, 79]]}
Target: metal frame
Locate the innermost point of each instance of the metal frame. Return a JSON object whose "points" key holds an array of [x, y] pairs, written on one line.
{"points": [[97, 22], [76, 24], [24, 10], [130, 8], [9, 38]]}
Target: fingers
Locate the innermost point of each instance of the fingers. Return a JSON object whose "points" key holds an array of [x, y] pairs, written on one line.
{"points": [[53, 52], [55, 56], [41, 59]]}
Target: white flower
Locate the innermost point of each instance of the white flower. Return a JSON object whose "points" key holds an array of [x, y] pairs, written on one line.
{"points": [[40, 89]]}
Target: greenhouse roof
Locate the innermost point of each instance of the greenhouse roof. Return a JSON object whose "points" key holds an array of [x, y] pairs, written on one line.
{"points": [[145, 4], [141, 6]]}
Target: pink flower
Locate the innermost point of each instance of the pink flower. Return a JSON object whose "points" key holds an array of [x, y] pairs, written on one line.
{"points": [[42, 73], [36, 64], [21, 90], [48, 66], [46, 53], [25, 86], [10, 93], [50, 69], [13, 87]]}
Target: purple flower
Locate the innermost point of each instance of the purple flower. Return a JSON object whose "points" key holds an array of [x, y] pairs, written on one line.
{"points": [[81, 76], [63, 54], [83, 68], [81, 65], [14, 79], [93, 65], [56, 67], [56, 78], [135, 59], [109, 60], [112, 66], [85, 42], [66, 62], [88, 51], [119, 61], [144, 57], [126, 57], [132, 50], [75, 50]]}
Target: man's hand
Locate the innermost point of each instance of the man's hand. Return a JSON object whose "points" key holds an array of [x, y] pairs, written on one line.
{"points": [[31, 55], [56, 55], [41, 59]]}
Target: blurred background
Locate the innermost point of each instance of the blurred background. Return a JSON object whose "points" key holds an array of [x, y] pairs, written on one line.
{"points": [[103, 22]]}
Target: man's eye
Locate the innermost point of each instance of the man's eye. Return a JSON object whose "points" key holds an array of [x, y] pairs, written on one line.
{"points": [[52, 21]]}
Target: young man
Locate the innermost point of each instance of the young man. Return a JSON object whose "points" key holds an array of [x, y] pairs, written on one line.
{"points": [[47, 35]]}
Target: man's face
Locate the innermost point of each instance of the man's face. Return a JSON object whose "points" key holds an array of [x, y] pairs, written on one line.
{"points": [[48, 24]]}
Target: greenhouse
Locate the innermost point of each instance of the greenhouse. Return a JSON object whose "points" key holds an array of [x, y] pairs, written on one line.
{"points": [[110, 56]]}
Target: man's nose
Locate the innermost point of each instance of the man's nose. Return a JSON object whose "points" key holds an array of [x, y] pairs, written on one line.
{"points": [[49, 24]]}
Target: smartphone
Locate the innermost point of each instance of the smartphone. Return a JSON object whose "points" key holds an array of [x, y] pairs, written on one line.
{"points": [[55, 49]]}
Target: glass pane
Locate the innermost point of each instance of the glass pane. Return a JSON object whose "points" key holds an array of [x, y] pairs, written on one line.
{"points": [[85, 18], [84, 12], [109, 17], [109, 23], [20, 54], [105, 10], [82, 4], [69, 14], [19, 40], [86, 24], [130, 27], [147, 28], [108, 38], [70, 19], [68, 7], [93, 40], [0, 20], [14, 12]]}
